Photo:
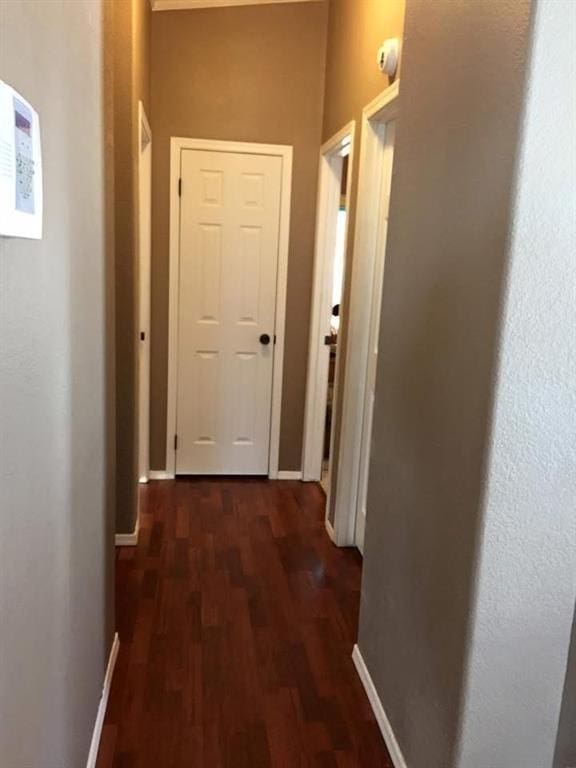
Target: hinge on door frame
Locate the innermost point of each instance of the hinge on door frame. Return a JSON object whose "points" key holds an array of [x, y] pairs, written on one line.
{"points": [[175, 442], [179, 187]]}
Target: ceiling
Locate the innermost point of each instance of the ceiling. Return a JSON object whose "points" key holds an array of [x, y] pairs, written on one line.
{"points": [[181, 5]]}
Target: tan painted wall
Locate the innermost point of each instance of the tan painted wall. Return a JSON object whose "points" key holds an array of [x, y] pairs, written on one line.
{"points": [[445, 268], [110, 287], [56, 543], [246, 74], [355, 32], [131, 84]]}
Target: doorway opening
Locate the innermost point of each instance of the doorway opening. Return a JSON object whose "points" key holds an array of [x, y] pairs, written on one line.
{"points": [[336, 159], [337, 288]]}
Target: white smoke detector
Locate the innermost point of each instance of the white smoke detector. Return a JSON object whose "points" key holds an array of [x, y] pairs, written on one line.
{"points": [[388, 56]]}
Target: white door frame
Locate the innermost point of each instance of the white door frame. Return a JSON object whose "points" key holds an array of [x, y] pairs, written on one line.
{"points": [[375, 116], [177, 145], [144, 298], [329, 190]]}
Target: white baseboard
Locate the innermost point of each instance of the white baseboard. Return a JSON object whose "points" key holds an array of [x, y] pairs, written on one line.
{"points": [[288, 474], [129, 539], [281, 475], [378, 709], [330, 530], [97, 733], [160, 474]]}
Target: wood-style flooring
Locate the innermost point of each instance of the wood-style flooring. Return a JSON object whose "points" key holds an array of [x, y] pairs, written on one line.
{"points": [[237, 617]]}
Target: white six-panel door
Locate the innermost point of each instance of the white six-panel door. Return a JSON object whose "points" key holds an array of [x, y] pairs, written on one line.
{"points": [[229, 231]]}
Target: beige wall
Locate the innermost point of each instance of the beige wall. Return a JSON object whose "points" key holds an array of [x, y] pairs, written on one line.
{"points": [[355, 32], [446, 255], [56, 544], [110, 238], [246, 74], [470, 518], [131, 84]]}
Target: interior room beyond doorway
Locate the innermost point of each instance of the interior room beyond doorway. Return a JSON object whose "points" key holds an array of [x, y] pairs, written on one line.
{"points": [[337, 286]]}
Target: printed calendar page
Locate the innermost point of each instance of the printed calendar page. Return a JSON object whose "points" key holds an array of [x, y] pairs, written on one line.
{"points": [[20, 167], [24, 157]]}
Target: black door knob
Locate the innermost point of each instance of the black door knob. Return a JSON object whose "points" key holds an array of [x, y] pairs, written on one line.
{"points": [[265, 339]]}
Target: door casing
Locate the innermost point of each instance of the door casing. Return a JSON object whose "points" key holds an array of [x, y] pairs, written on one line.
{"points": [[329, 188], [177, 146], [144, 297], [383, 109]]}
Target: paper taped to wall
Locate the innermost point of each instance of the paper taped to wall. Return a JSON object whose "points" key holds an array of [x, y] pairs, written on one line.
{"points": [[20, 167]]}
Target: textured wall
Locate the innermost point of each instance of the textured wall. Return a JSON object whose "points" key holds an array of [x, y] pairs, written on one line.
{"points": [[526, 587], [241, 74], [355, 32], [53, 546], [462, 84], [565, 756], [110, 296], [131, 84]]}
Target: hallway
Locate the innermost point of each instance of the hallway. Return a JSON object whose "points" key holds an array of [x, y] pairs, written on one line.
{"points": [[237, 618]]}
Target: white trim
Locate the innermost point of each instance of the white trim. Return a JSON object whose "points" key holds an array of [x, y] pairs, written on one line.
{"points": [[329, 185], [97, 732], [144, 296], [173, 259], [181, 5], [287, 474], [375, 109], [329, 529], [281, 293], [177, 144], [155, 474], [376, 114], [378, 709], [129, 539]]}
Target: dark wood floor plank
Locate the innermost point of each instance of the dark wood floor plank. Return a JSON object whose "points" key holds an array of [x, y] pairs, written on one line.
{"points": [[237, 617]]}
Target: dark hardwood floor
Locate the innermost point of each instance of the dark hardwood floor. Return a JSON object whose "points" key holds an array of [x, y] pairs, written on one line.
{"points": [[237, 618]]}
